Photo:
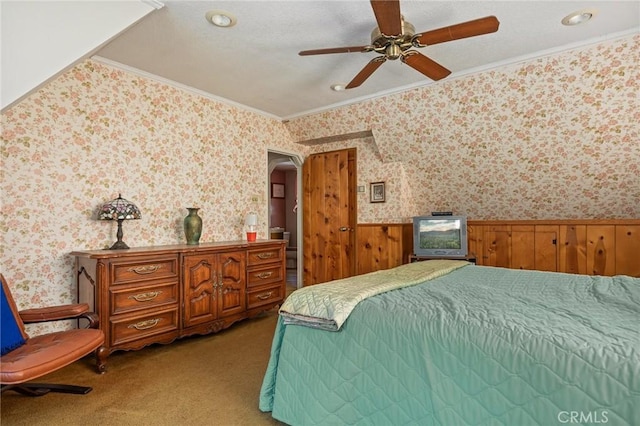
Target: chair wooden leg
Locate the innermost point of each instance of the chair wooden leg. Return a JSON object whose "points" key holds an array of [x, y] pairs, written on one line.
{"points": [[39, 389], [101, 359]]}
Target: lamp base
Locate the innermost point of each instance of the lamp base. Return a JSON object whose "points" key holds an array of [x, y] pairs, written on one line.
{"points": [[119, 245]]}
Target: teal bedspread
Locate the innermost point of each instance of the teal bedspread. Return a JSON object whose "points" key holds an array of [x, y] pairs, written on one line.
{"points": [[328, 305], [478, 346]]}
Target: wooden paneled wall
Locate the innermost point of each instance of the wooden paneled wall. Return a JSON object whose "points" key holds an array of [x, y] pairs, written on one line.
{"points": [[591, 247], [382, 246]]}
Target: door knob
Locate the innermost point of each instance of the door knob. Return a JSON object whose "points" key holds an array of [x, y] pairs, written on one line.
{"points": [[344, 229]]}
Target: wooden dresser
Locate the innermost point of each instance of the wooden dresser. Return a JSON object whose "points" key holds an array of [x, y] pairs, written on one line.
{"points": [[157, 294]]}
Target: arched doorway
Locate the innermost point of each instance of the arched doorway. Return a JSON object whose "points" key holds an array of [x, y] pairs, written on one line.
{"points": [[284, 209]]}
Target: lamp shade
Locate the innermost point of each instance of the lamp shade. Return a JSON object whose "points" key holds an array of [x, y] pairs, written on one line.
{"points": [[251, 219], [120, 210]]}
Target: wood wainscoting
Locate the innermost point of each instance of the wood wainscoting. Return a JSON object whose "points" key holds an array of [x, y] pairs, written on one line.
{"points": [[590, 246], [382, 246]]}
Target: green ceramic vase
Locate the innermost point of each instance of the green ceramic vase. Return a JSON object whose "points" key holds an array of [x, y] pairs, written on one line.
{"points": [[193, 226]]}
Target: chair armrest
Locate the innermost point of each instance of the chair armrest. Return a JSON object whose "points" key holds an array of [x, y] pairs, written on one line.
{"points": [[57, 313]]}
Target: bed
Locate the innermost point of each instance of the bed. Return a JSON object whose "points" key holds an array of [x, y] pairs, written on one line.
{"points": [[469, 345]]}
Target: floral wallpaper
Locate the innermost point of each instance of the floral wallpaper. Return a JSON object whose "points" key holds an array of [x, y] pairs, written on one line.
{"points": [[553, 138], [371, 168], [96, 132], [556, 137]]}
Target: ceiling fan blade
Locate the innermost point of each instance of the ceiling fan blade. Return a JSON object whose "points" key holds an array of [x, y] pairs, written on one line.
{"points": [[366, 72], [348, 49], [426, 66], [486, 25], [388, 16]]}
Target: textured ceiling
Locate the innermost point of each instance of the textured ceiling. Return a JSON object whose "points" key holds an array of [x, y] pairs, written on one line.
{"points": [[256, 63]]}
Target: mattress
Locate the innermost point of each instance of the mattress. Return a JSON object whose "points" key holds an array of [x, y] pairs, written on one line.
{"points": [[477, 346]]}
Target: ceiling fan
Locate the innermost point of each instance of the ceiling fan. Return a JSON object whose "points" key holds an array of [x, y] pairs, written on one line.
{"points": [[394, 37]]}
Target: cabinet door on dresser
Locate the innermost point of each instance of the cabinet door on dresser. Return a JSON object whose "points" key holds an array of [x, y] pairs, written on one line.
{"points": [[232, 286], [214, 286]]}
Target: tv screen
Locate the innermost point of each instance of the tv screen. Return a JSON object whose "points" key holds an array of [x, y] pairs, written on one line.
{"points": [[440, 236]]}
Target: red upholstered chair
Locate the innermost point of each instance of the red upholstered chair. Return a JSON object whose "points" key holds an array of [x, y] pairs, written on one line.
{"points": [[26, 358]]}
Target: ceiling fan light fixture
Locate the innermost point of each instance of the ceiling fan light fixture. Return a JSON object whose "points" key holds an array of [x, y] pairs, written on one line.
{"points": [[338, 87], [220, 18], [402, 38], [580, 17], [393, 51]]}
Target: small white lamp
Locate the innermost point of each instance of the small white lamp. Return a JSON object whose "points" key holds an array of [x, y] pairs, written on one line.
{"points": [[251, 223]]}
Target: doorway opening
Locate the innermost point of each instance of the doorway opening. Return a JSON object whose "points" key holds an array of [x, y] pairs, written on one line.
{"points": [[285, 210]]}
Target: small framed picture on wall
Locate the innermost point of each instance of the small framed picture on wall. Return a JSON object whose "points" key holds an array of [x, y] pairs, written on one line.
{"points": [[376, 192], [277, 190]]}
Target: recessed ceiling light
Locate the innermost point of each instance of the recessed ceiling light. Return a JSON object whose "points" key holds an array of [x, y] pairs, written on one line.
{"points": [[580, 17], [220, 18], [338, 87]]}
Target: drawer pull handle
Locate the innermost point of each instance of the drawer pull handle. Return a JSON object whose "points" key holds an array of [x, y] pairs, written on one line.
{"points": [[264, 296], [144, 270], [266, 255], [264, 275], [145, 297], [145, 325]]}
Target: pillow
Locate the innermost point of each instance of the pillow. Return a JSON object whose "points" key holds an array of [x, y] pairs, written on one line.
{"points": [[10, 334]]}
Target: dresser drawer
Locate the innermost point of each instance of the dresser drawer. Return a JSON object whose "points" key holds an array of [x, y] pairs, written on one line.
{"points": [[265, 296], [129, 329], [269, 274], [133, 298], [265, 255], [144, 270]]}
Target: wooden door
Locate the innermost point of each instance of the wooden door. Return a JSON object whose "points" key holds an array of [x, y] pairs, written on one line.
{"points": [[329, 216], [231, 286]]}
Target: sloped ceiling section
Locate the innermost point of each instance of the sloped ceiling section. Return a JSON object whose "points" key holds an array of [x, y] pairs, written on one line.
{"points": [[41, 39]]}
